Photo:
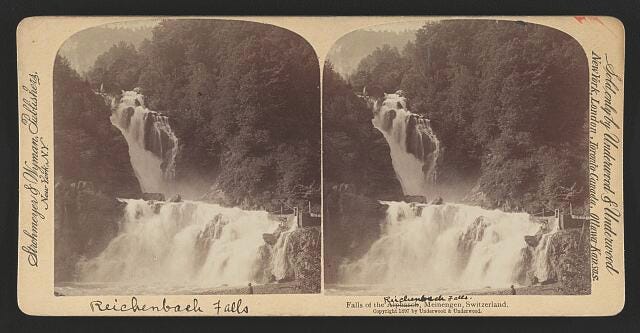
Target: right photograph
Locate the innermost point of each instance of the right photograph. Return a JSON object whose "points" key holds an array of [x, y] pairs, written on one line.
{"points": [[455, 160]]}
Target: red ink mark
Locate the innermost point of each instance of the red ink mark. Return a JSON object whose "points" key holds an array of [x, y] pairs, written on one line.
{"points": [[580, 19], [597, 19]]}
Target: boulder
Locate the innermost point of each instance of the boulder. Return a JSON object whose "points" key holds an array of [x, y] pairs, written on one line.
{"points": [[270, 239], [437, 201], [156, 206], [175, 198], [387, 121], [532, 240], [128, 113], [153, 196]]}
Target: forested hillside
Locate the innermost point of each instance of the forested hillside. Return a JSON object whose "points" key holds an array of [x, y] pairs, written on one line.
{"points": [[87, 146], [355, 152], [507, 100], [242, 98]]}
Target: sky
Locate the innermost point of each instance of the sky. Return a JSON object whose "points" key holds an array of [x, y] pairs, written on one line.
{"points": [[399, 26]]}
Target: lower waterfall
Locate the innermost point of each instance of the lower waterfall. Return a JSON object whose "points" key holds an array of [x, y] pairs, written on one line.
{"points": [[450, 247], [187, 244]]}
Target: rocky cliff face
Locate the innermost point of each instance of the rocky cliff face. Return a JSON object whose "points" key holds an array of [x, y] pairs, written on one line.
{"points": [[86, 219], [569, 259], [351, 224], [301, 254], [99, 156], [88, 147], [304, 253], [92, 168]]}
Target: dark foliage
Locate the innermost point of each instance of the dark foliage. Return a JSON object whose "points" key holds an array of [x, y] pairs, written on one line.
{"points": [[87, 146], [243, 99], [355, 152], [507, 100]]}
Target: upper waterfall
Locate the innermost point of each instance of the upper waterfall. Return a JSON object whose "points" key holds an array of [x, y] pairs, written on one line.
{"points": [[413, 146], [152, 144]]}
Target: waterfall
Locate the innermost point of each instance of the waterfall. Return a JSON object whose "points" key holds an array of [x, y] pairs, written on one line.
{"points": [[184, 244], [280, 259], [541, 266], [413, 146], [450, 246], [152, 144]]}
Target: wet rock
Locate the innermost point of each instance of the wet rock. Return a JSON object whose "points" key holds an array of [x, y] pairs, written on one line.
{"points": [[532, 240], [387, 122], [437, 201], [153, 196], [270, 239], [261, 272], [474, 234], [175, 198], [155, 206], [128, 113], [521, 273]]}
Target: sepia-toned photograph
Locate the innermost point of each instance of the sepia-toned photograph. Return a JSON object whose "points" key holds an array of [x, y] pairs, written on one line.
{"points": [[187, 160], [380, 166], [455, 160]]}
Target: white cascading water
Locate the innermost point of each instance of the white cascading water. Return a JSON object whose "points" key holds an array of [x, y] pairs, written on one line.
{"points": [[187, 244], [413, 146], [177, 247], [152, 144], [280, 261], [450, 247], [540, 263]]}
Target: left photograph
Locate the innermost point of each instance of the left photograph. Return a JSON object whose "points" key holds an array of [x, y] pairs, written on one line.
{"points": [[187, 160]]}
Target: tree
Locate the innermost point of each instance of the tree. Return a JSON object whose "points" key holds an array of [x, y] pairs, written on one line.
{"points": [[236, 93]]}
